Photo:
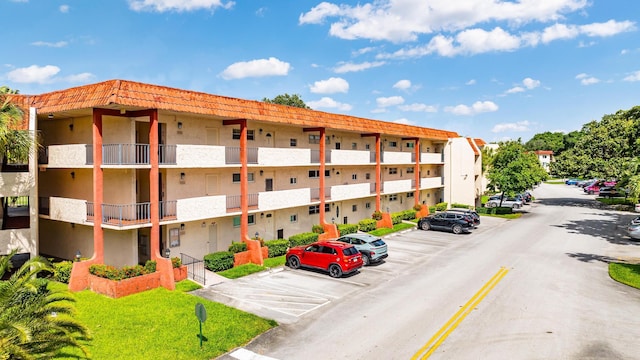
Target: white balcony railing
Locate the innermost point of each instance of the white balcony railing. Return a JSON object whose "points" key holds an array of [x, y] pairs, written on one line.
{"points": [[13, 184], [199, 156], [350, 157], [431, 158], [398, 157], [16, 239], [68, 210], [199, 208], [283, 156], [431, 182], [271, 200], [397, 186]]}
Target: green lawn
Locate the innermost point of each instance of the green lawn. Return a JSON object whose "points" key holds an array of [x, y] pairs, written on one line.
{"points": [[628, 274], [248, 269], [161, 324], [396, 228]]}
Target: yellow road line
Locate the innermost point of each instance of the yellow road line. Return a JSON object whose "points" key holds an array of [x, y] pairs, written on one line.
{"points": [[457, 318]]}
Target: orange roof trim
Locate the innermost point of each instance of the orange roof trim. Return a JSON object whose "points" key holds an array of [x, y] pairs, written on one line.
{"points": [[147, 96]]}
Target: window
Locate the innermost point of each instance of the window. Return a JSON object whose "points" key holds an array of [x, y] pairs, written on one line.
{"points": [[393, 171], [367, 176], [314, 139], [293, 218], [409, 195], [314, 173], [354, 208], [354, 176], [236, 177], [293, 142], [410, 170], [367, 205], [354, 146], [236, 134], [293, 180], [393, 197], [393, 144], [251, 220], [367, 146], [326, 207], [411, 145], [327, 173], [428, 172], [314, 209]]}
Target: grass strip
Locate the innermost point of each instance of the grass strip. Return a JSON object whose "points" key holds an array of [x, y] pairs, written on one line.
{"points": [[628, 274]]}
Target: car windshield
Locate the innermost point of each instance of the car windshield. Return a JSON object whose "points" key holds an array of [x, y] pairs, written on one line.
{"points": [[378, 242], [350, 251]]}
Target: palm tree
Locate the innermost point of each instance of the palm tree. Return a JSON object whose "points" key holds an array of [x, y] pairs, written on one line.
{"points": [[36, 322], [15, 144]]}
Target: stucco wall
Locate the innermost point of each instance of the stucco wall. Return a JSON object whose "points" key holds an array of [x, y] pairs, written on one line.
{"points": [[459, 172]]}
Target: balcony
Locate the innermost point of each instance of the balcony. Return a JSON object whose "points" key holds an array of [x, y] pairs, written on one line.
{"points": [[431, 158], [81, 155], [232, 155], [234, 201], [15, 183], [272, 200], [131, 214], [431, 182], [315, 194], [398, 157], [351, 157], [397, 186], [350, 191]]}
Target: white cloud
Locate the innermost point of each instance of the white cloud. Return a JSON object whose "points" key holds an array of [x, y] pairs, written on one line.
{"points": [[45, 75], [471, 82], [57, 44], [33, 74], [256, 68], [389, 101], [586, 79], [530, 83], [477, 108], [518, 126], [419, 108], [330, 86], [178, 5], [633, 77], [64, 9], [379, 111], [327, 102], [515, 89], [608, 28], [402, 85], [404, 121], [351, 67]]}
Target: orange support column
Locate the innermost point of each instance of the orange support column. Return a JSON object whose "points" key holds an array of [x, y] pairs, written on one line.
{"points": [[79, 279], [330, 229], [163, 265]]}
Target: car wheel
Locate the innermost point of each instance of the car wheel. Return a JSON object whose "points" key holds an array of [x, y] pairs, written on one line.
{"points": [[516, 206], [335, 271], [425, 225], [294, 262], [590, 192], [366, 260], [493, 205], [456, 229]]}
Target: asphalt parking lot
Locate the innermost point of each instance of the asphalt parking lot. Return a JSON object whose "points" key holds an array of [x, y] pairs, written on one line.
{"points": [[285, 295]]}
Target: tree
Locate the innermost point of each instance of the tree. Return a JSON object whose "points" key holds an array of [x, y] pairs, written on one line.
{"points": [[15, 144], [289, 100], [513, 169], [553, 141], [36, 322]]}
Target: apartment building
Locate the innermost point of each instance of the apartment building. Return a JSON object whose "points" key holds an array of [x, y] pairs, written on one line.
{"points": [[132, 171]]}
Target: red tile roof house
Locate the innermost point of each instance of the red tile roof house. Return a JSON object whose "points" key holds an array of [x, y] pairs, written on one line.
{"points": [[133, 171]]}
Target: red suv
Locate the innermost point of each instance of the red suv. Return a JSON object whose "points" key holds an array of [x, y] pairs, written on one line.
{"points": [[335, 257]]}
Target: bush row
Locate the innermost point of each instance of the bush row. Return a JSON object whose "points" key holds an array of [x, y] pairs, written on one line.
{"points": [[126, 272], [495, 210]]}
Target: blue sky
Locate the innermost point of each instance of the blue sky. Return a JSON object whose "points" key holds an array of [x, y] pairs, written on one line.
{"points": [[491, 69]]}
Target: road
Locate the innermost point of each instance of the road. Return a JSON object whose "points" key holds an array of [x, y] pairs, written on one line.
{"points": [[532, 288]]}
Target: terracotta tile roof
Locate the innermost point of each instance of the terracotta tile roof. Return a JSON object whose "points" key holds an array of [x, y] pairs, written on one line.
{"points": [[480, 142], [146, 96], [544, 152], [473, 146]]}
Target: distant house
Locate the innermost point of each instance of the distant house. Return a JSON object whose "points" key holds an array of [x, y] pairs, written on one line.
{"points": [[545, 157]]}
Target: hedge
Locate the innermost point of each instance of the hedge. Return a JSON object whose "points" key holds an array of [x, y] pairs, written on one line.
{"points": [[495, 210], [367, 225], [62, 271], [345, 229], [126, 272], [441, 206], [237, 247], [277, 247], [460, 206], [303, 239], [219, 261]]}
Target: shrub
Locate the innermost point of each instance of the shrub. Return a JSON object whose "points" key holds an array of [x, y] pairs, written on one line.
{"points": [[62, 271], [460, 206], [176, 262], [441, 206], [318, 229], [219, 261], [367, 225], [277, 247], [345, 229], [150, 267], [113, 273], [396, 218], [377, 215], [495, 210], [237, 247], [303, 239], [432, 209]]}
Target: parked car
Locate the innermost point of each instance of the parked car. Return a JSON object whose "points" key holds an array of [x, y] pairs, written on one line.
{"points": [[594, 187], [526, 196], [372, 248], [571, 181], [583, 183], [335, 257], [474, 214], [449, 221], [609, 191], [494, 201], [634, 229]]}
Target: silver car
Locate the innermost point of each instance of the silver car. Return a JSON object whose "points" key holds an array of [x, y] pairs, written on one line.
{"points": [[634, 228], [373, 248], [494, 201]]}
